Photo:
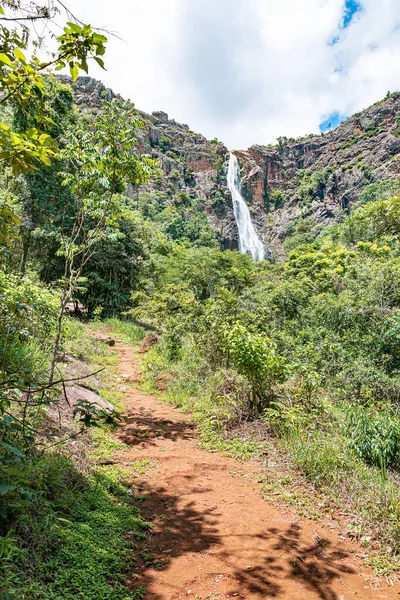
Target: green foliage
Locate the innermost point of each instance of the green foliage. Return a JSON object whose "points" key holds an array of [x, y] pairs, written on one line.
{"points": [[380, 191], [299, 345], [130, 330], [256, 358], [22, 75], [374, 221], [332, 312], [299, 233], [276, 198], [374, 436], [182, 218], [119, 265], [312, 185], [73, 539], [164, 143]]}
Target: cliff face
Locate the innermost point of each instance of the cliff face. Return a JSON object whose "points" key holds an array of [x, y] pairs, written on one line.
{"points": [[189, 162], [317, 178]]}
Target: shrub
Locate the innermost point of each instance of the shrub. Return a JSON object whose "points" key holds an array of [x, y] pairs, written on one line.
{"points": [[256, 358], [374, 436]]}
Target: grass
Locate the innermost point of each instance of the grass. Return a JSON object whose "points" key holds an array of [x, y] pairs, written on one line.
{"points": [[129, 331], [75, 538], [373, 503], [195, 391], [103, 445]]}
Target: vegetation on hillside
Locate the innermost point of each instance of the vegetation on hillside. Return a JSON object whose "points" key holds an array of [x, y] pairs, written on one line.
{"points": [[63, 522], [309, 347]]}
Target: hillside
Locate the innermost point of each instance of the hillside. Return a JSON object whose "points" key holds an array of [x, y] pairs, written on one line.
{"points": [[116, 229], [296, 186]]}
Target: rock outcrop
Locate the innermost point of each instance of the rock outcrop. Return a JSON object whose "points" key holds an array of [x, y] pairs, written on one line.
{"points": [[317, 178]]}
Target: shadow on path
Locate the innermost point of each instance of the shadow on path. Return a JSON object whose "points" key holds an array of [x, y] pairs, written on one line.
{"points": [[192, 533], [143, 429]]}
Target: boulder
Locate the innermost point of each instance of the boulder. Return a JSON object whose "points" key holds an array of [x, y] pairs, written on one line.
{"points": [[148, 342], [76, 393]]}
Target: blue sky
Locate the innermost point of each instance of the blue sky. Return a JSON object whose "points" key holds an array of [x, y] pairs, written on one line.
{"points": [[332, 121], [351, 8], [250, 71]]}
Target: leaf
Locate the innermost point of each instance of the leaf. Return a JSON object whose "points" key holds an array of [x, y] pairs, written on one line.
{"points": [[32, 133], [74, 72], [99, 39], [5, 59], [99, 61], [46, 160], [5, 488], [19, 54], [75, 27]]}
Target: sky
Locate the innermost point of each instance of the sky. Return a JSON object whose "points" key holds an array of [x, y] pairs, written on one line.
{"points": [[248, 71]]}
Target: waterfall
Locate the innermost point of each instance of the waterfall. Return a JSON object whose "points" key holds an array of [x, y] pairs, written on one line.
{"points": [[249, 242]]}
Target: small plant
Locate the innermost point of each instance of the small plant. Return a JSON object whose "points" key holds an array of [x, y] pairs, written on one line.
{"points": [[256, 358], [374, 437], [91, 414]]}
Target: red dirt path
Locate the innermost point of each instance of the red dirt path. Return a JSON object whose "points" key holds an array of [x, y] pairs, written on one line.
{"points": [[213, 535]]}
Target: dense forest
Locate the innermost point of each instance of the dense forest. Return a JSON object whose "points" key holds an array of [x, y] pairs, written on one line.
{"points": [[309, 344]]}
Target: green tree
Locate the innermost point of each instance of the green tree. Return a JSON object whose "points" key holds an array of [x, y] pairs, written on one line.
{"points": [[21, 74], [45, 204], [100, 159]]}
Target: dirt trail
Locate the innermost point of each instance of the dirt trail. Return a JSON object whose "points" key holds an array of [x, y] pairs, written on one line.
{"points": [[213, 535]]}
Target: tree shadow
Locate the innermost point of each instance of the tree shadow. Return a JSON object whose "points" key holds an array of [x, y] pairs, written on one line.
{"points": [[314, 566], [177, 531], [143, 429], [285, 559]]}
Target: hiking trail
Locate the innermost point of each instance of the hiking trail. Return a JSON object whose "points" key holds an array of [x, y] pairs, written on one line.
{"points": [[213, 536]]}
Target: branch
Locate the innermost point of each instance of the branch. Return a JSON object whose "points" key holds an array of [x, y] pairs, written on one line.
{"points": [[17, 19], [47, 386]]}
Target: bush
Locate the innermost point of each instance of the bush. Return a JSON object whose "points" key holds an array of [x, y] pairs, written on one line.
{"points": [[256, 358], [374, 436]]}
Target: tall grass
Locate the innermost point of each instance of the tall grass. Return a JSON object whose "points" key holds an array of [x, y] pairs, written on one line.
{"points": [[130, 331], [326, 460]]}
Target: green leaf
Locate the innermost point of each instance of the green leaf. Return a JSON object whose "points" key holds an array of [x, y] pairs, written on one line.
{"points": [[99, 61], [75, 27], [32, 133], [74, 72], [5, 488], [99, 39], [5, 59], [19, 54]]}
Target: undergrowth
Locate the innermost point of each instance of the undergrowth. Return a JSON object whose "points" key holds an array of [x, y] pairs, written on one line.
{"points": [[195, 390], [128, 331], [75, 538], [72, 542]]}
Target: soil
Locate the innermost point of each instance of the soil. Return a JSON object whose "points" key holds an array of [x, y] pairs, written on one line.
{"points": [[213, 535]]}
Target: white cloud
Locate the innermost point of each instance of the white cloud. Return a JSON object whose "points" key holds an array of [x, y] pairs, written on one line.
{"points": [[247, 72]]}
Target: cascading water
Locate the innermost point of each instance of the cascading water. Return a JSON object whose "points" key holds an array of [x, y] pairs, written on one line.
{"points": [[249, 242]]}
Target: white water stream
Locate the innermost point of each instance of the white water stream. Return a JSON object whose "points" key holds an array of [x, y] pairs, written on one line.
{"points": [[249, 242]]}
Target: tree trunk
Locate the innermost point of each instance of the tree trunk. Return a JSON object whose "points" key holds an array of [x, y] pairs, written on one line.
{"points": [[26, 241], [57, 339]]}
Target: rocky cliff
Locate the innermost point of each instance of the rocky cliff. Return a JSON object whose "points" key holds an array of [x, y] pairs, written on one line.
{"points": [[313, 180]]}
